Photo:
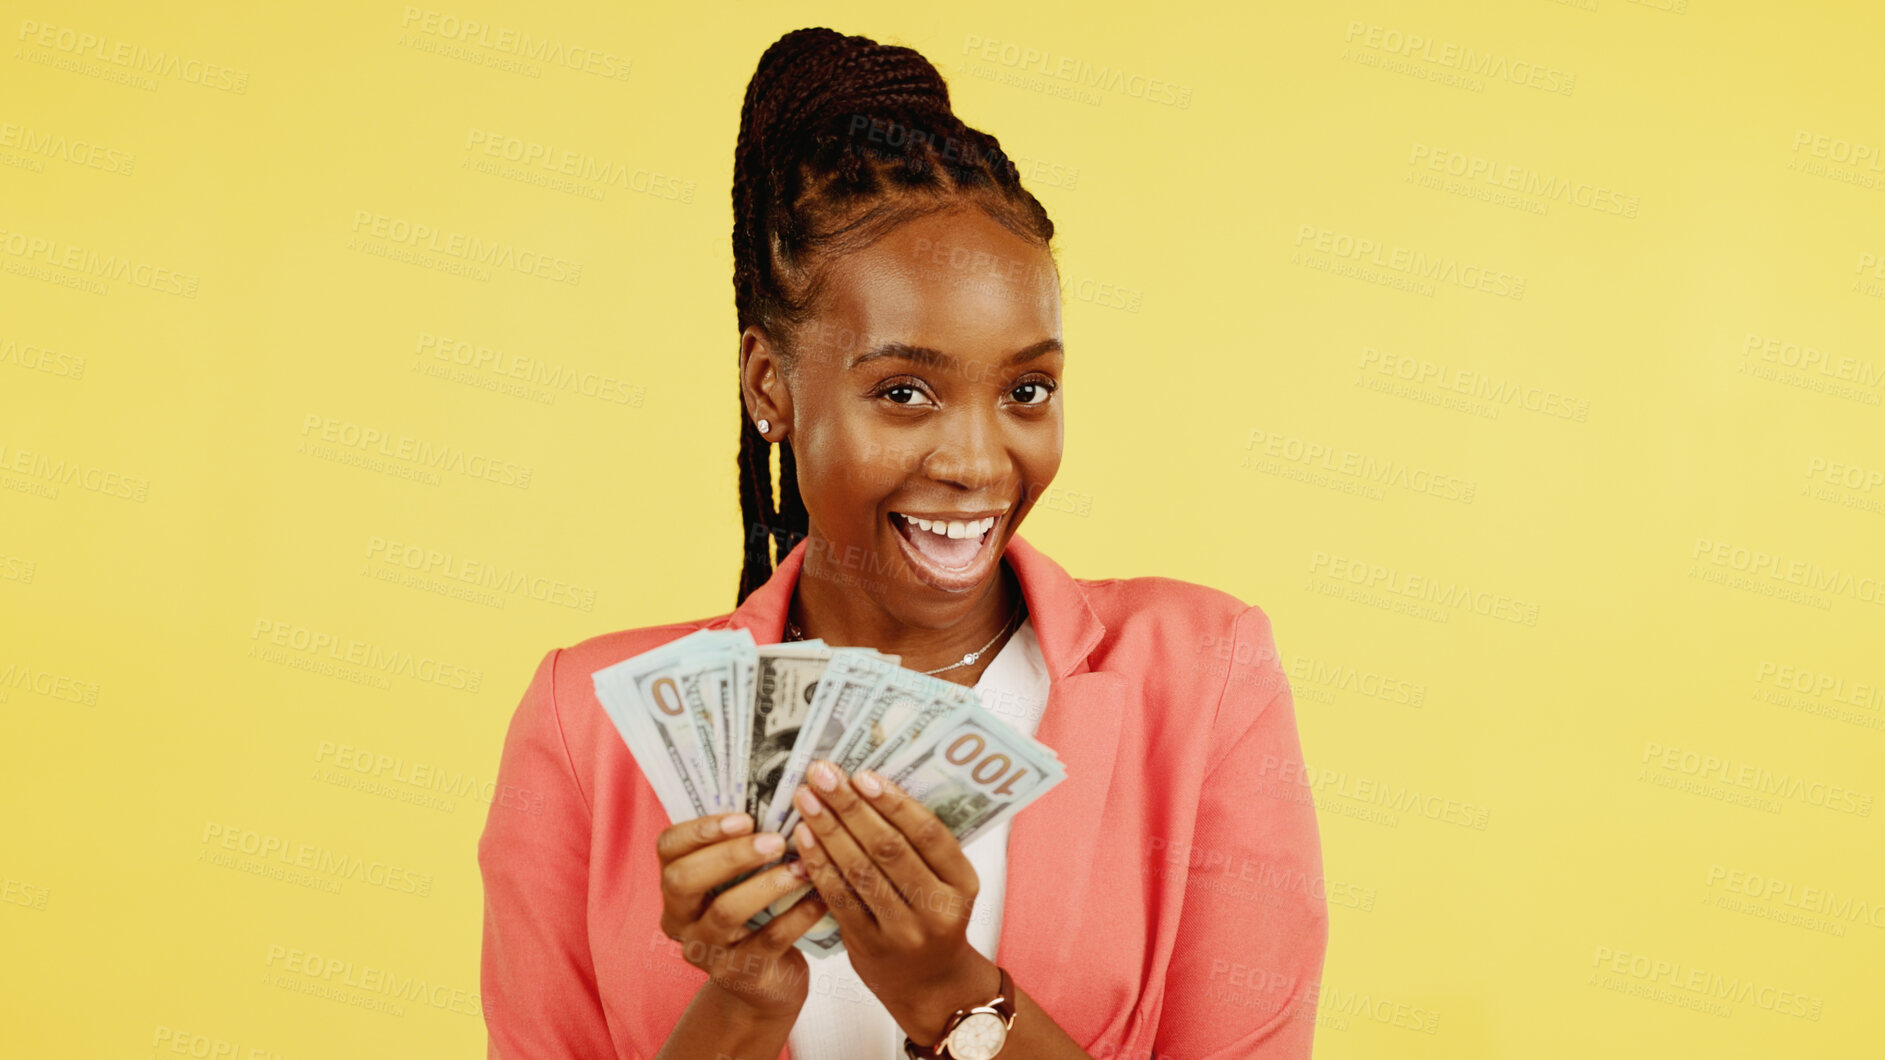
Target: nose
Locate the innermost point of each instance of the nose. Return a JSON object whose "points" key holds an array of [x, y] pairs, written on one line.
{"points": [[970, 451]]}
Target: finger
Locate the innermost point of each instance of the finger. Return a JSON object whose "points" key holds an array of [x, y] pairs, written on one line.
{"points": [[841, 849], [783, 930], [926, 833], [685, 881], [852, 915], [724, 919], [885, 844], [684, 837]]}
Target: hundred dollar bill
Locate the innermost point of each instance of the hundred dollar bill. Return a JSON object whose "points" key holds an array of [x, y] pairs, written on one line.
{"points": [[976, 772], [906, 709], [739, 723], [705, 681], [849, 683], [645, 700], [620, 702], [623, 706], [785, 680]]}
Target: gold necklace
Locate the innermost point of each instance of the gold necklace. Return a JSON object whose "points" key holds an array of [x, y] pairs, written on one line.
{"points": [[793, 632]]}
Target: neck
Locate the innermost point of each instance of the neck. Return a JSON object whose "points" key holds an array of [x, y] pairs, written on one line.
{"points": [[826, 606]]}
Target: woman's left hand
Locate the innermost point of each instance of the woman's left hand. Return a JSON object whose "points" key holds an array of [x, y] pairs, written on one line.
{"points": [[896, 881]]}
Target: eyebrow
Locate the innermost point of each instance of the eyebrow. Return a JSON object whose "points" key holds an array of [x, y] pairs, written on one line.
{"points": [[935, 358]]}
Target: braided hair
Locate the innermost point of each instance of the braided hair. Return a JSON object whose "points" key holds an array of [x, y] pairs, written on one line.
{"points": [[842, 139]]}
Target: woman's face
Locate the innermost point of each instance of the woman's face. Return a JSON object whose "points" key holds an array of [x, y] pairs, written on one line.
{"points": [[927, 387]]}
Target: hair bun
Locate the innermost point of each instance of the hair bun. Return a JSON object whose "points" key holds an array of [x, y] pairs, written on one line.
{"points": [[809, 77]]}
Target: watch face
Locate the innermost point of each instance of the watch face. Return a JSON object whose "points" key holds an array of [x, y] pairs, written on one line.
{"points": [[978, 1037]]}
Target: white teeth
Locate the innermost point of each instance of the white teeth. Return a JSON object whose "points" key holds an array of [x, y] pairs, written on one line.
{"points": [[952, 529]]}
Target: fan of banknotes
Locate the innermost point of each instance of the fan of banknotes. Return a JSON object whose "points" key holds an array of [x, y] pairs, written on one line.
{"points": [[719, 723]]}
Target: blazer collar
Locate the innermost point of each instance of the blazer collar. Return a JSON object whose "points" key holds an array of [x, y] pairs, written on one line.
{"points": [[1064, 621]]}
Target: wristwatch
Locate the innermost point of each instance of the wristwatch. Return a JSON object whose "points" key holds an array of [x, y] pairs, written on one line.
{"points": [[972, 1033]]}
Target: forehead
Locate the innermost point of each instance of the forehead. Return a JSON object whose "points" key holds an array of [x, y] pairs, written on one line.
{"points": [[956, 281]]}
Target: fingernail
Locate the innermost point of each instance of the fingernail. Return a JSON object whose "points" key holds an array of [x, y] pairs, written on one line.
{"points": [[806, 840], [825, 775], [868, 784], [797, 868], [733, 824], [770, 843], [807, 803]]}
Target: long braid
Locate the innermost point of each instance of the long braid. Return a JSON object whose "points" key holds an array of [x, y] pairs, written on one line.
{"points": [[841, 140]]}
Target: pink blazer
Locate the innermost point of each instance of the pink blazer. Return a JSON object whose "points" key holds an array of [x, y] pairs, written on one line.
{"points": [[1165, 900]]}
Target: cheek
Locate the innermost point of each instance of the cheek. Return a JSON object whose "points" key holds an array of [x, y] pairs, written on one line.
{"points": [[1040, 454], [843, 473]]}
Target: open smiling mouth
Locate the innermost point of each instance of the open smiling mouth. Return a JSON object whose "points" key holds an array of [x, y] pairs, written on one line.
{"points": [[949, 553]]}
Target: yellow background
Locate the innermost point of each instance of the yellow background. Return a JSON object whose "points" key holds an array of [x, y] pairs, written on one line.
{"points": [[1705, 203]]}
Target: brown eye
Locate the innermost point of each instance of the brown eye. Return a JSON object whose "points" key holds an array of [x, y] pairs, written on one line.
{"points": [[1032, 393], [906, 394]]}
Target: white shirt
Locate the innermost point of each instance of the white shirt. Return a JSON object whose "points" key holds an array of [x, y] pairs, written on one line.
{"points": [[842, 1019]]}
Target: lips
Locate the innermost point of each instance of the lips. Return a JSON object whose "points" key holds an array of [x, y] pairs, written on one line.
{"points": [[951, 554]]}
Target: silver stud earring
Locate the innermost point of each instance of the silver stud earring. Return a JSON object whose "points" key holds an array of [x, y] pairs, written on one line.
{"points": [[764, 426]]}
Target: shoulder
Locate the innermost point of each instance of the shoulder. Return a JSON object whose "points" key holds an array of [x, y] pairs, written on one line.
{"points": [[1170, 612], [1119, 599], [1202, 653]]}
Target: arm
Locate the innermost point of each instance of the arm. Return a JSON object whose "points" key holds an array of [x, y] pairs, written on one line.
{"points": [[1246, 967], [539, 982], [719, 1025]]}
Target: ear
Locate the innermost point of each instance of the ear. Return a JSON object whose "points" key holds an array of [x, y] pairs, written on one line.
{"points": [[762, 382]]}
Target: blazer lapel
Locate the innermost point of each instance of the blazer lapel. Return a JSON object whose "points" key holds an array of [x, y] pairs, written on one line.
{"points": [[1053, 844]]}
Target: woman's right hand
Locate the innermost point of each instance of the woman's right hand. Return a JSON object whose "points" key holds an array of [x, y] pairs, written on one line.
{"points": [[762, 969]]}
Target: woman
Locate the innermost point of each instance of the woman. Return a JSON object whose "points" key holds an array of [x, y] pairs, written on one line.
{"points": [[900, 341]]}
